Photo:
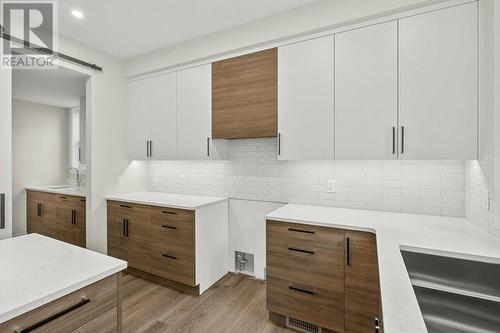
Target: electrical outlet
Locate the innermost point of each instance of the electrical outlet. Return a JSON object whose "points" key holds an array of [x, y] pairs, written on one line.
{"points": [[182, 179], [156, 178], [486, 201], [330, 186], [119, 180]]}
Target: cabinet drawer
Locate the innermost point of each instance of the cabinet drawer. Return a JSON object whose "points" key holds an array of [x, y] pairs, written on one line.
{"points": [[35, 195], [303, 262], [323, 307], [173, 263], [173, 227], [70, 312], [293, 232], [69, 199], [126, 209]]}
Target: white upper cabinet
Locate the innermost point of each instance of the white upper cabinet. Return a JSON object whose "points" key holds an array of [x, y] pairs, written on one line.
{"points": [[194, 108], [306, 100], [366, 87], [438, 84], [152, 108]]}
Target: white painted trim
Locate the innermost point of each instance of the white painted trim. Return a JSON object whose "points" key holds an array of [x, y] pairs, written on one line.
{"points": [[351, 25]]}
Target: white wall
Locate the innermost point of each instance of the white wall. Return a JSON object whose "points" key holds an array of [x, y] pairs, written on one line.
{"points": [[317, 16], [6, 148], [106, 139], [247, 231], [40, 138], [254, 173]]}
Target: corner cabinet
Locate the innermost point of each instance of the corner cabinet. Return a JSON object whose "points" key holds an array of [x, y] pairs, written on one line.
{"points": [[322, 278], [438, 84], [152, 113], [306, 118]]}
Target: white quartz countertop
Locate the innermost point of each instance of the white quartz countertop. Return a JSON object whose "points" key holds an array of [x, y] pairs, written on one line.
{"points": [[60, 189], [173, 200], [35, 270], [449, 236]]}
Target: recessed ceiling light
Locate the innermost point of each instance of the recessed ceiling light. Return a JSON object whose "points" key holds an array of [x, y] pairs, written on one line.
{"points": [[76, 13]]}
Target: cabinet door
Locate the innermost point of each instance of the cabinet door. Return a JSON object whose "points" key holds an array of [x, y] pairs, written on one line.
{"points": [[139, 124], [79, 225], [139, 234], [245, 96], [366, 87], [194, 107], [438, 84], [117, 233], [163, 116], [362, 291], [152, 109], [306, 100]]}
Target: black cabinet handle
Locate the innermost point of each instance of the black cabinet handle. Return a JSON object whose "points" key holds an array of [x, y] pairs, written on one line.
{"points": [[150, 148], [72, 216], [279, 144], [39, 210], [147, 148], [127, 227], [2, 211], [304, 291], [402, 139], [393, 140], [55, 316], [301, 251], [208, 147], [75, 217], [125, 206], [63, 198], [170, 213], [348, 250], [169, 227], [300, 230], [170, 257]]}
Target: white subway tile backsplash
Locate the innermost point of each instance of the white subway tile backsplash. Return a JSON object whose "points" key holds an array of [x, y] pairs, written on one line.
{"points": [[253, 172]]}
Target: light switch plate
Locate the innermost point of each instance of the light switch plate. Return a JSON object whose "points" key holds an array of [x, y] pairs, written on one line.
{"points": [[330, 186]]}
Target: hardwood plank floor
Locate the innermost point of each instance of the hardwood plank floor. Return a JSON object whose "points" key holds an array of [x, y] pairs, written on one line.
{"points": [[237, 303]]}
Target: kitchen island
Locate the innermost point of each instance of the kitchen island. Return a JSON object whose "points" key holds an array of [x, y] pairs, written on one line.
{"points": [[52, 286]]}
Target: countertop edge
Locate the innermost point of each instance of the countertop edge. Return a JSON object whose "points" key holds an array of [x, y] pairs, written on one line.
{"points": [[166, 205], [55, 191], [60, 293]]}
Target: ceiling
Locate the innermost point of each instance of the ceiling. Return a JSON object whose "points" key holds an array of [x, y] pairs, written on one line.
{"points": [[127, 28], [57, 87]]}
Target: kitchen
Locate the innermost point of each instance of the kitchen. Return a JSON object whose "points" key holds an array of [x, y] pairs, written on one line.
{"points": [[297, 166]]}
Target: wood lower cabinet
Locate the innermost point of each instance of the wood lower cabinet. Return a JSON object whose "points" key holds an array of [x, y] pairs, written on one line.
{"points": [[57, 216], [180, 248], [72, 312], [324, 277]]}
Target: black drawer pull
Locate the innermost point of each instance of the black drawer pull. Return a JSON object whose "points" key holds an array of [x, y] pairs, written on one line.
{"points": [[54, 316], [64, 198], [305, 291], [170, 213], [302, 231], [39, 210], [301, 251], [170, 257], [169, 227], [125, 206], [348, 251]]}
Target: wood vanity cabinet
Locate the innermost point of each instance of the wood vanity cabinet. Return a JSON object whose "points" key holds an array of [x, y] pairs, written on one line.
{"points": [[62, 217], [245, 96], [154, 240], [324, 277]]}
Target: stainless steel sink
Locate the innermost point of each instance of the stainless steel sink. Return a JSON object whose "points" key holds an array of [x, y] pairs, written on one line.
{"points": [[455, 295]]}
